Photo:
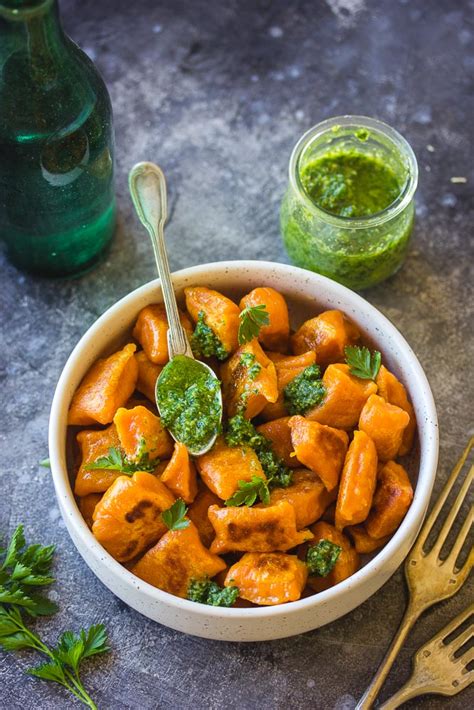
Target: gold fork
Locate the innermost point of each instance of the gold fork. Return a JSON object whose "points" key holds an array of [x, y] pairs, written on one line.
{"points": [[430, 579], [436, 668]]}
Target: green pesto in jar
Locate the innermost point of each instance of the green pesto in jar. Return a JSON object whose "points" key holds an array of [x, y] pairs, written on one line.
{"points": [[189, 401], [351, 186], [350, 183]]}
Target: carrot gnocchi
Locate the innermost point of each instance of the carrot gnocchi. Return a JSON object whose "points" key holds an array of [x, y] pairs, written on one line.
{"points": [[302, 481]]}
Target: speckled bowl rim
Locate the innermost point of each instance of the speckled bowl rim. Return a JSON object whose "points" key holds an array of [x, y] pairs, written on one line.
{"points": [[411, 523]]}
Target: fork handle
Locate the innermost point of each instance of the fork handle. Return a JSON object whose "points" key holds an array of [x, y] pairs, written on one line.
{"points": [[403, 695], [409, 618]]}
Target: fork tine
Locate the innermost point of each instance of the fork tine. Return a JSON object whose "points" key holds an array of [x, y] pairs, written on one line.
{"points": [[444, 532], [425, 530], [460, 640], [453, 625], [467, 657], [462, 535]]}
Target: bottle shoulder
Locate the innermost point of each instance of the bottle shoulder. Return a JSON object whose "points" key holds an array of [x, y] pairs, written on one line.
{"points": [[40, 96]]}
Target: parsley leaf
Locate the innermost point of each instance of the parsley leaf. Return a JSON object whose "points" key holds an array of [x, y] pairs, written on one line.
{"points": [[252, 319], [45, 463], [205, 591], [21, 570], [305, 391], [362, 362], [241, 432], [249, 491], [204, 342], [174, 518], [321, 558], [117, 461]]}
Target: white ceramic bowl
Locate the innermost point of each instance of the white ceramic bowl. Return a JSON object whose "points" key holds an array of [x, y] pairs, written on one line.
{"points": [[307, 293]]}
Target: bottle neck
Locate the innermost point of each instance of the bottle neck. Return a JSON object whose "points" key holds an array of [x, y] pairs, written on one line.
{"points": [[33, 28]]}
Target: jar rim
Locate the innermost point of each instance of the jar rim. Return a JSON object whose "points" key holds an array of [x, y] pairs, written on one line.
{"points": [[400, 144]]}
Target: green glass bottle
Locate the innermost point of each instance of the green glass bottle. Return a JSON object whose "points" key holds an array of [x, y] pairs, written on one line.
{"points": [[57, 204]]}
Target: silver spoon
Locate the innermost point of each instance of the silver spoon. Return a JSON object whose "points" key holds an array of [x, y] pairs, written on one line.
{"points": [[148, 191]]}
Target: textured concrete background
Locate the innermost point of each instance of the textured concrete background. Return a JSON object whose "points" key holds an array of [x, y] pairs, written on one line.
{"points": [[218, 93]]}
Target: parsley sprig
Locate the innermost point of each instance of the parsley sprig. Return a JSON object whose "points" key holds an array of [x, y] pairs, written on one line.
{"points": [[362, 362], [321, 558], [248, 492], [205, 591], [116, 460], [174, 517], [22, 570], [252, 319]]}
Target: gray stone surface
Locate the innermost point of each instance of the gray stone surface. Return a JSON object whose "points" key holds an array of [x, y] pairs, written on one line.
{"points": [[218, 93]]}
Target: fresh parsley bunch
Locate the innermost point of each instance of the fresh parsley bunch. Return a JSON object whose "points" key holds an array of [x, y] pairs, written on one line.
{"points": [[22, 571]]}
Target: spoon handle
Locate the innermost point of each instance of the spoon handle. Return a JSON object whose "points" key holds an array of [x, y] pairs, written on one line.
{"points": [[148, 190]]}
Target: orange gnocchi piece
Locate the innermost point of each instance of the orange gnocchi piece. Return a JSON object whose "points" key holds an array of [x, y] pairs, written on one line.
{"points": [[220, 314], [268, 578], [128, 518], [393, 497], [140, 431], [328, 335], [394, 392], [87, 506], [358, 480], [287, 368], [177, 559], [363, 543], [307, 494], [95, 444], [345, 396], [319, 447], [273, 336], [106, 387], [249, 380], [180, 474], [347, 562], [151, 331], [198, 514], [257, 529], [385, 424], [148, 374], [224, 466], [279, 433]]}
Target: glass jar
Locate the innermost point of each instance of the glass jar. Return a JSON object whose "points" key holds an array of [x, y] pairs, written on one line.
{"points": [[57, 202], [356, 251]]}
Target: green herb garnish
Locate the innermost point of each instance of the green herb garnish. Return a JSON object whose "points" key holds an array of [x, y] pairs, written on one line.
{"points": [[362, 362], [304, 391], [249, 491], [252, 319], [321, 558], [278, 475], [248, 360], [174, 517], [22, 570], [241, 432], [117, 461], [205, 591], [204, 341], [45, 463]]}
